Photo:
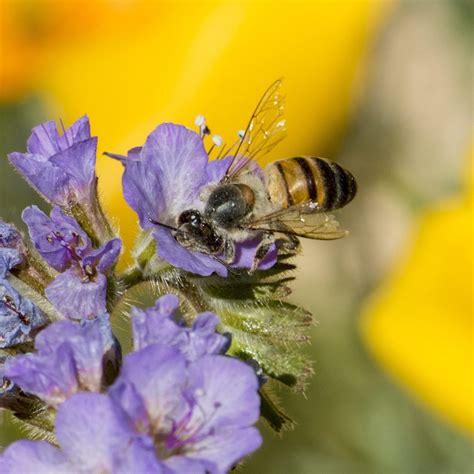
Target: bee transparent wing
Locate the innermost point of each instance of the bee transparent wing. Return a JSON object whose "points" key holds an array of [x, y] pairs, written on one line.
{"points": [[266, 128], [301, 221]]}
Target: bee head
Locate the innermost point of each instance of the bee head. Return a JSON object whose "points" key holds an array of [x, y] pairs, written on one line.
{"points": [[197, 233], [191, 216]]}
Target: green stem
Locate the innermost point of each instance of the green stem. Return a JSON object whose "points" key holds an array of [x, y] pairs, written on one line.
{"points": [[91, 217], [132, 276]]}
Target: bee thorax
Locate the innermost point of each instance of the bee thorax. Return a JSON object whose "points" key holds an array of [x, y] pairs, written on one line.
{"points": [[228, 204]]}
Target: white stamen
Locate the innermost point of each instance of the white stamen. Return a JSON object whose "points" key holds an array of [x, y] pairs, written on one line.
{"points": [[200, 121], [241, 134], [217, 140]]}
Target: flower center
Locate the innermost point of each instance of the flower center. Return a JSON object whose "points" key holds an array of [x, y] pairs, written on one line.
{"points": [[88, 272], [192, 428], [69, 245]]}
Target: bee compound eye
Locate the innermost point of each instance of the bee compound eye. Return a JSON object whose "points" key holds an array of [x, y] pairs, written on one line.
{"points": [[190, 216]]}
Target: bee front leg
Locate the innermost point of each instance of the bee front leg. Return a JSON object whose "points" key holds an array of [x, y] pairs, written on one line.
{"points": [[264, 246], [229, 252]]}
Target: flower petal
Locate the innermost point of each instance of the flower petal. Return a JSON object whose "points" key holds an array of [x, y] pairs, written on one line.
{"points": [[9, 235], [76, 298], [158, 325], [227, 447], [188, 465], [142, 191], [105, 257], [93, 432], [154, 324], [245, 253], [80, 130], [140, 457], [19, 317], [9, 258], [52, 376], [34, 457], [78, 161], [157, 374], [44, 140], [216, 169], [50, 181], [227, 391], [178, 157], [174, 253], [89, 342]]}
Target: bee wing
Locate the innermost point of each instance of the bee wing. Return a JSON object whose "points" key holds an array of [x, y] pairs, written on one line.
{"points": [[266, 128], [301, 221]]}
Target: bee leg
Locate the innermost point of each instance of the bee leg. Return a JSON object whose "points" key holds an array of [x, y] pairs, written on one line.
{"points": [[286, 240], [289, 242], [229, 251], [264, 246]]}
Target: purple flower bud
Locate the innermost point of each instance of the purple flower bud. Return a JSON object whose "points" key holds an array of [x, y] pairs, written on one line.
{"points": [[160, 324], [60, 167]]}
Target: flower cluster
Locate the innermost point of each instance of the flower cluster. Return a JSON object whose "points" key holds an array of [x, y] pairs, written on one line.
{"points": [[185, 397], [176, 405]]}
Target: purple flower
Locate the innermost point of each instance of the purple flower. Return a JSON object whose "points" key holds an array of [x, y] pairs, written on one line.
{"points": [[166, 177], [19, 317], [94, 435], [60, 167], [80, 290], [69, 357], [177, 405], [160, 324], [199, 413], [163, 415]]}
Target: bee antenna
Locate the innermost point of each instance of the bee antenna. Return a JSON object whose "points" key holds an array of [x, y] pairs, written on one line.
{"points": [[166, 226]]}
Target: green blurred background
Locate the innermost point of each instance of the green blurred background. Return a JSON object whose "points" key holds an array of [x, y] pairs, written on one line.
{"points": [[383, 88]]}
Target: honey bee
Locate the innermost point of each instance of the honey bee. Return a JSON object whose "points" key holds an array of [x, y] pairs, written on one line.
{"points": [[291, 199]]}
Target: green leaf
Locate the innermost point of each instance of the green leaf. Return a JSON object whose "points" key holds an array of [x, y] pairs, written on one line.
{"points": [[272, 412]]}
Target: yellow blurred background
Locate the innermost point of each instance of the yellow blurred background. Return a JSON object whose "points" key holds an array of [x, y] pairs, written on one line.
{"points": [[383, 88]]}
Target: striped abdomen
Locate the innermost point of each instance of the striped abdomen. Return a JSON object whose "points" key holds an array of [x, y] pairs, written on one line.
{"points": [[298, 180]]}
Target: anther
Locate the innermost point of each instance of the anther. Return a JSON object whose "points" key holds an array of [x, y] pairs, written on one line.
{"points": [[200, 122], [10, 304], [217, 140], [8, 300]]}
